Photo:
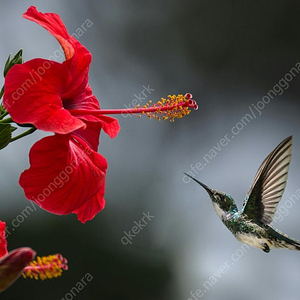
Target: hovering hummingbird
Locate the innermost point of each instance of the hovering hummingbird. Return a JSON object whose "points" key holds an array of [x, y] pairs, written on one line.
{"points": [[251, 225]]}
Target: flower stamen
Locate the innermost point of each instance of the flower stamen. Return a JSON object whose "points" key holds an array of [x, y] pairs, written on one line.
{"points": [[166, 109], [46, 267], [169, 108]]}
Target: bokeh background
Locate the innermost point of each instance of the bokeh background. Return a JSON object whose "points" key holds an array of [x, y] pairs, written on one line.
{"points": [[229, 54]]}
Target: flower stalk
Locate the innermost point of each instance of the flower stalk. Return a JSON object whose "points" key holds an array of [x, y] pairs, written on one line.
{"points": [[25, 133]]}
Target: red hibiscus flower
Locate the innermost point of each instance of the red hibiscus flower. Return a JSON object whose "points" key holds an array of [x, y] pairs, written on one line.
{"points": [[66, 175], [19, 261]]}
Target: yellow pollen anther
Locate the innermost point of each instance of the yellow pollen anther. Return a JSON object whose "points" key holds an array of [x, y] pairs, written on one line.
{"points": [[175, 106], [46, 267]]}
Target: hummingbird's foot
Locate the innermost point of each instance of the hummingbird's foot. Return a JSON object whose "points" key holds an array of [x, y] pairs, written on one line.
{"points": [[266, 248]]}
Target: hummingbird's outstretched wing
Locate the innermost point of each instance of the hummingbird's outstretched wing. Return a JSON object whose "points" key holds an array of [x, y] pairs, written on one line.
{"points": [[269, 183]]}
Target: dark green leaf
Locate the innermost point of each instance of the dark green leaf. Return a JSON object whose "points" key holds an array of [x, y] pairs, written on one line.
{"points": [[5, 134]]}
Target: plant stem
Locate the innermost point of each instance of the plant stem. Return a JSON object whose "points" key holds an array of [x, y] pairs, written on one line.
{"points": [[29, 131], [8, 120], [1, 92]]}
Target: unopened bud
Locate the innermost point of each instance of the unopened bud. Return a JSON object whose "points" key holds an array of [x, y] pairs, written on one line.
{"points": [[13, 264], [17, 59]]}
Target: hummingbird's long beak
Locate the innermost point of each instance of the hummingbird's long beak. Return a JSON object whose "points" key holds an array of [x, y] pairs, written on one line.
{"points": [[209, 191]]}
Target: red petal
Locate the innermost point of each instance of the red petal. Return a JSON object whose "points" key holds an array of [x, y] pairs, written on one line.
{"points": [[64, 174], [78, 57], [90, 134], [88, 101], [53, 23], [33, 95], [110, 126], [3, 242], [88, 210]]}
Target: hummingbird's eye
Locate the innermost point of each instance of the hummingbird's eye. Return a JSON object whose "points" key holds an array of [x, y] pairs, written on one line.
{"points": [[218, 197]]}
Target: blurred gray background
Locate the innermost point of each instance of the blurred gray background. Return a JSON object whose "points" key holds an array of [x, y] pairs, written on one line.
{"points": [[229, 55]]}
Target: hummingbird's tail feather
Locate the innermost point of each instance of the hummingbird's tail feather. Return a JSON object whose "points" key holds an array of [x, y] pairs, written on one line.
{"points": [[288, 243], [282, 240], [291, 244]]}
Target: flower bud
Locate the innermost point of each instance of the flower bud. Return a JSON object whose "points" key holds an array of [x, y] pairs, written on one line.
{"points": [[17, 59], [13, 264]]}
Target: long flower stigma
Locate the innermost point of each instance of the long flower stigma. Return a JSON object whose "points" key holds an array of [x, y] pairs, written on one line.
{"points": [[46, 267]]}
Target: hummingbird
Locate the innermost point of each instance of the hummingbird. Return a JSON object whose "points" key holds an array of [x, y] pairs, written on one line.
{"points": [[252, 225]]}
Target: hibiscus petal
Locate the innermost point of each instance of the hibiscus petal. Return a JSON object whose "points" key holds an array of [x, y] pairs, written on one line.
{"points": [[33, 95], [87, 101], [110, 126], [88, 210], [77, 56], [90, 134], [3, 242], [92, 131], [53, 23], [64, 175]]}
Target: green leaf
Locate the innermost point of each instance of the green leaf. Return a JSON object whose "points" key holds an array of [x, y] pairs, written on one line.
{"points": [[5, 134]]}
